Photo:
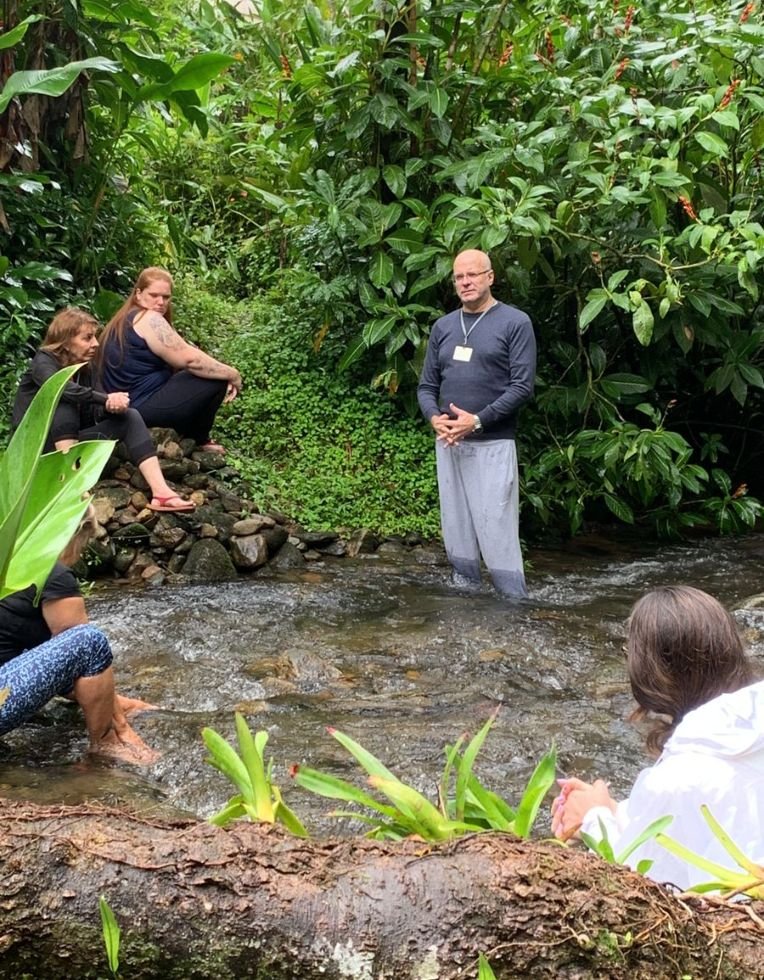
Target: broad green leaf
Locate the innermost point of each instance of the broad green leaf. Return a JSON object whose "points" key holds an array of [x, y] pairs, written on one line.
{"points": [[727, 117], [404, 240], [465, 764], [670, 57], [200, 69], [191, 77], [629, 384], [56, 502], [438, 102], [355, 350], [344, 63], [13, 36], [427, 820], [727, 878], [233, 810], [111, 934], [286, 816], [395, 178], [654, 828], [225, 758], [151, 66], [729, 845], [274, 201], [381, 269], [370, 763], [541, 781], [120, 11], [493, 808], [591, 310], [712, 143], [377, 330], [484, 969], [53, 82], [493, 236], [452, 756], [616, 279], [251, 755], [601, 845], [643, 323], [34, 488], [670, 178], [334, 788], [619, 507]]}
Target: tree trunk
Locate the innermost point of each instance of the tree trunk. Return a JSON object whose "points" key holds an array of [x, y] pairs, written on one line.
{"points": [[196, 901]]}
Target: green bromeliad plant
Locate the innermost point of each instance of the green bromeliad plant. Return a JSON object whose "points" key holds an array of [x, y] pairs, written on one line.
{"points": [[471, 809], [258, 798], [397, 810], [604, 848], [725, 880], [394, 810]]}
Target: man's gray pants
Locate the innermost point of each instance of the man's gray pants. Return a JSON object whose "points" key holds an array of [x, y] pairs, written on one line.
{"points": [[479, 511]]}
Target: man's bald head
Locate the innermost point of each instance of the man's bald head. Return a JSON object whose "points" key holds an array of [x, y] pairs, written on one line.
{"points": [[473, 278], [472, 256]]}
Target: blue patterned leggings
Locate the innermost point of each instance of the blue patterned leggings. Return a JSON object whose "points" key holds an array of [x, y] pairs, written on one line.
{"points": [[37, 675]]}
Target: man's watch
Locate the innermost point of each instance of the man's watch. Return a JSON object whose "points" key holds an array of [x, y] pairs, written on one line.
{"points": [[478, 424]]}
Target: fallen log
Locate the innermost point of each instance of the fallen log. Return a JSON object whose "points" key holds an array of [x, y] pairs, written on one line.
{"points": [[197, 901]]}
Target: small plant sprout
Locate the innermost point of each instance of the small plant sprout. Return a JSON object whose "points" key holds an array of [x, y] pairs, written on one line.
{"points": [[484, 969], [604, 848], [726, 880], [111, 935], [258, 799]]}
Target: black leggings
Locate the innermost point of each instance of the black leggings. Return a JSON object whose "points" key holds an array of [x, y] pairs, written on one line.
{"points": [[187, 404], [69, 422]]}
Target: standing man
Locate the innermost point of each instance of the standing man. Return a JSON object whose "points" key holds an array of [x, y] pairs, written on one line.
{"points": [[479, 370]]}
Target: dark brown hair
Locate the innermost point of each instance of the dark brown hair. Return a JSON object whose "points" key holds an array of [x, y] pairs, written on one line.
{"points": [[62, 328], [683, 650], [81, 538], [117, 326]]}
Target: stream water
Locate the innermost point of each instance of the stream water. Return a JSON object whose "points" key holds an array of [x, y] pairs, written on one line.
{"points": [[385, 649]]}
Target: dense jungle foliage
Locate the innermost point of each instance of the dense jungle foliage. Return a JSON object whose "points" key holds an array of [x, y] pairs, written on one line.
{"points": [[309, 171]]}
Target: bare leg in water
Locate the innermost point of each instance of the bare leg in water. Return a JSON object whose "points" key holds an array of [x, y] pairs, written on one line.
{"points": [[110, 732]]}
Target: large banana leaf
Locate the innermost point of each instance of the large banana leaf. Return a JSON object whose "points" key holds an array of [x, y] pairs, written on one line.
{"points": [[41, 497], [53, 81]]}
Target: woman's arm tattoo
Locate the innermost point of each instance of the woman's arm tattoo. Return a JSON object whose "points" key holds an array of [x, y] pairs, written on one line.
{"points": [[164, 331]]}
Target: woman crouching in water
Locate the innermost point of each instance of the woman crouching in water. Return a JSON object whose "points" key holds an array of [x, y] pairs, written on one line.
{"points": [[688, 672], [49, 648]]}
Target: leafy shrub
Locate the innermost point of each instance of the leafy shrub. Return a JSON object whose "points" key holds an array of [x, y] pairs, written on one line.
{"points": [[316, 444]]}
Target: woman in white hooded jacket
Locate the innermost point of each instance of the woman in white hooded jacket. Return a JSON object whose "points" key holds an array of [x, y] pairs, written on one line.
{"points": [[688, 668]]}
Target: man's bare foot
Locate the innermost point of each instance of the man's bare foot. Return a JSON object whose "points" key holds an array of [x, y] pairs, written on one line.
{"points": [[127, 746], [132, 706]]}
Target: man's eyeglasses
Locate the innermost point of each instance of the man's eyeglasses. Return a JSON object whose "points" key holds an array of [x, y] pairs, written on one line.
{"points": [[469, 276]]}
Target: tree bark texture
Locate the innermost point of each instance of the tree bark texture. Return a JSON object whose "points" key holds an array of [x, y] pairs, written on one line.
{"points": [[196, 901]]}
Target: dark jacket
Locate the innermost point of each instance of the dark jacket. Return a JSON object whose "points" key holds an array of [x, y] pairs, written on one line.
{"points": [[43, 366]]}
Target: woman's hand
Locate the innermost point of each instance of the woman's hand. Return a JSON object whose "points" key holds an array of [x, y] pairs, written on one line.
{"points": [[231, 391], [574, 802], [117, 402]]}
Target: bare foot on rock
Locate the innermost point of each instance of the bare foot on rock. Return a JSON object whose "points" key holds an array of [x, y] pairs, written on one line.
{"points": [[133, 706], [127, 746]]}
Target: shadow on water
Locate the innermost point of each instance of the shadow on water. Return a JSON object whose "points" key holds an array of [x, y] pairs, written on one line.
{"points": [[386, 650]]}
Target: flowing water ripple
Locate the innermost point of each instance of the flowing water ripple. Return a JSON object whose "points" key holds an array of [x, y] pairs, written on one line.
{"points": [[386, 650]]}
